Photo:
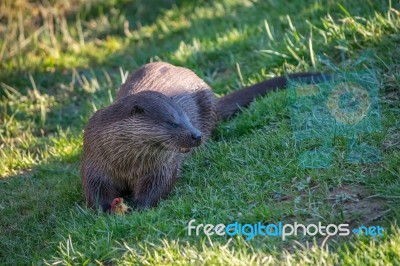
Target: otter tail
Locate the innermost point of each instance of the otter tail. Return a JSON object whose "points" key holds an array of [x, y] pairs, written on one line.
{"points": [[230, 104]]}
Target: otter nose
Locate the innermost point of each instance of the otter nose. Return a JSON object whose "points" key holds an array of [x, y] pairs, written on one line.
{"points": [[196, 138]]}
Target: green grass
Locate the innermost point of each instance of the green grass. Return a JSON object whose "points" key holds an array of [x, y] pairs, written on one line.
{"points": [[60, 62]]}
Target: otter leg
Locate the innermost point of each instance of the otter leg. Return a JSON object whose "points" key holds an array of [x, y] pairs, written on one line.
{"points": [[99, 192], [150, 189]]}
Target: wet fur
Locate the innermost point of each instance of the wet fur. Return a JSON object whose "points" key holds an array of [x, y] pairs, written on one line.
{"points": [[132, 148]]}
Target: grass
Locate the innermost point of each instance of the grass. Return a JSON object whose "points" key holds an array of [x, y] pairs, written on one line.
{"points": [[62, 60]]}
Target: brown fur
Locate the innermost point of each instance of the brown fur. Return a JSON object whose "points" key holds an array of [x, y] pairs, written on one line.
{"points": [[135, 147]]}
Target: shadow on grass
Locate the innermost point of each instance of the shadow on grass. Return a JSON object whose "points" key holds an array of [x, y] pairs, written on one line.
{"points": [[43, 208]]}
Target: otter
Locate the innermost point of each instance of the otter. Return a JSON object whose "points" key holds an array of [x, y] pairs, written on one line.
{"points": [[134, 148]]}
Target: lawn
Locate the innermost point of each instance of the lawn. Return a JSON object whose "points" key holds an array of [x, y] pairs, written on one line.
{"points": [[60, 61]]}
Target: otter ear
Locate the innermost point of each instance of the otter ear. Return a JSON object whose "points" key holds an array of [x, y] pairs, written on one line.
{"points": [[137, 109]]}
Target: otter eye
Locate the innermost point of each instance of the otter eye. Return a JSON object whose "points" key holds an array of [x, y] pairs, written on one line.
{"points": [[172, 124], [137, 110]]}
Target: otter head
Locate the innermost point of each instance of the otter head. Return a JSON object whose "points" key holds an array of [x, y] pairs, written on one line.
{"points": [[149, 119]]}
